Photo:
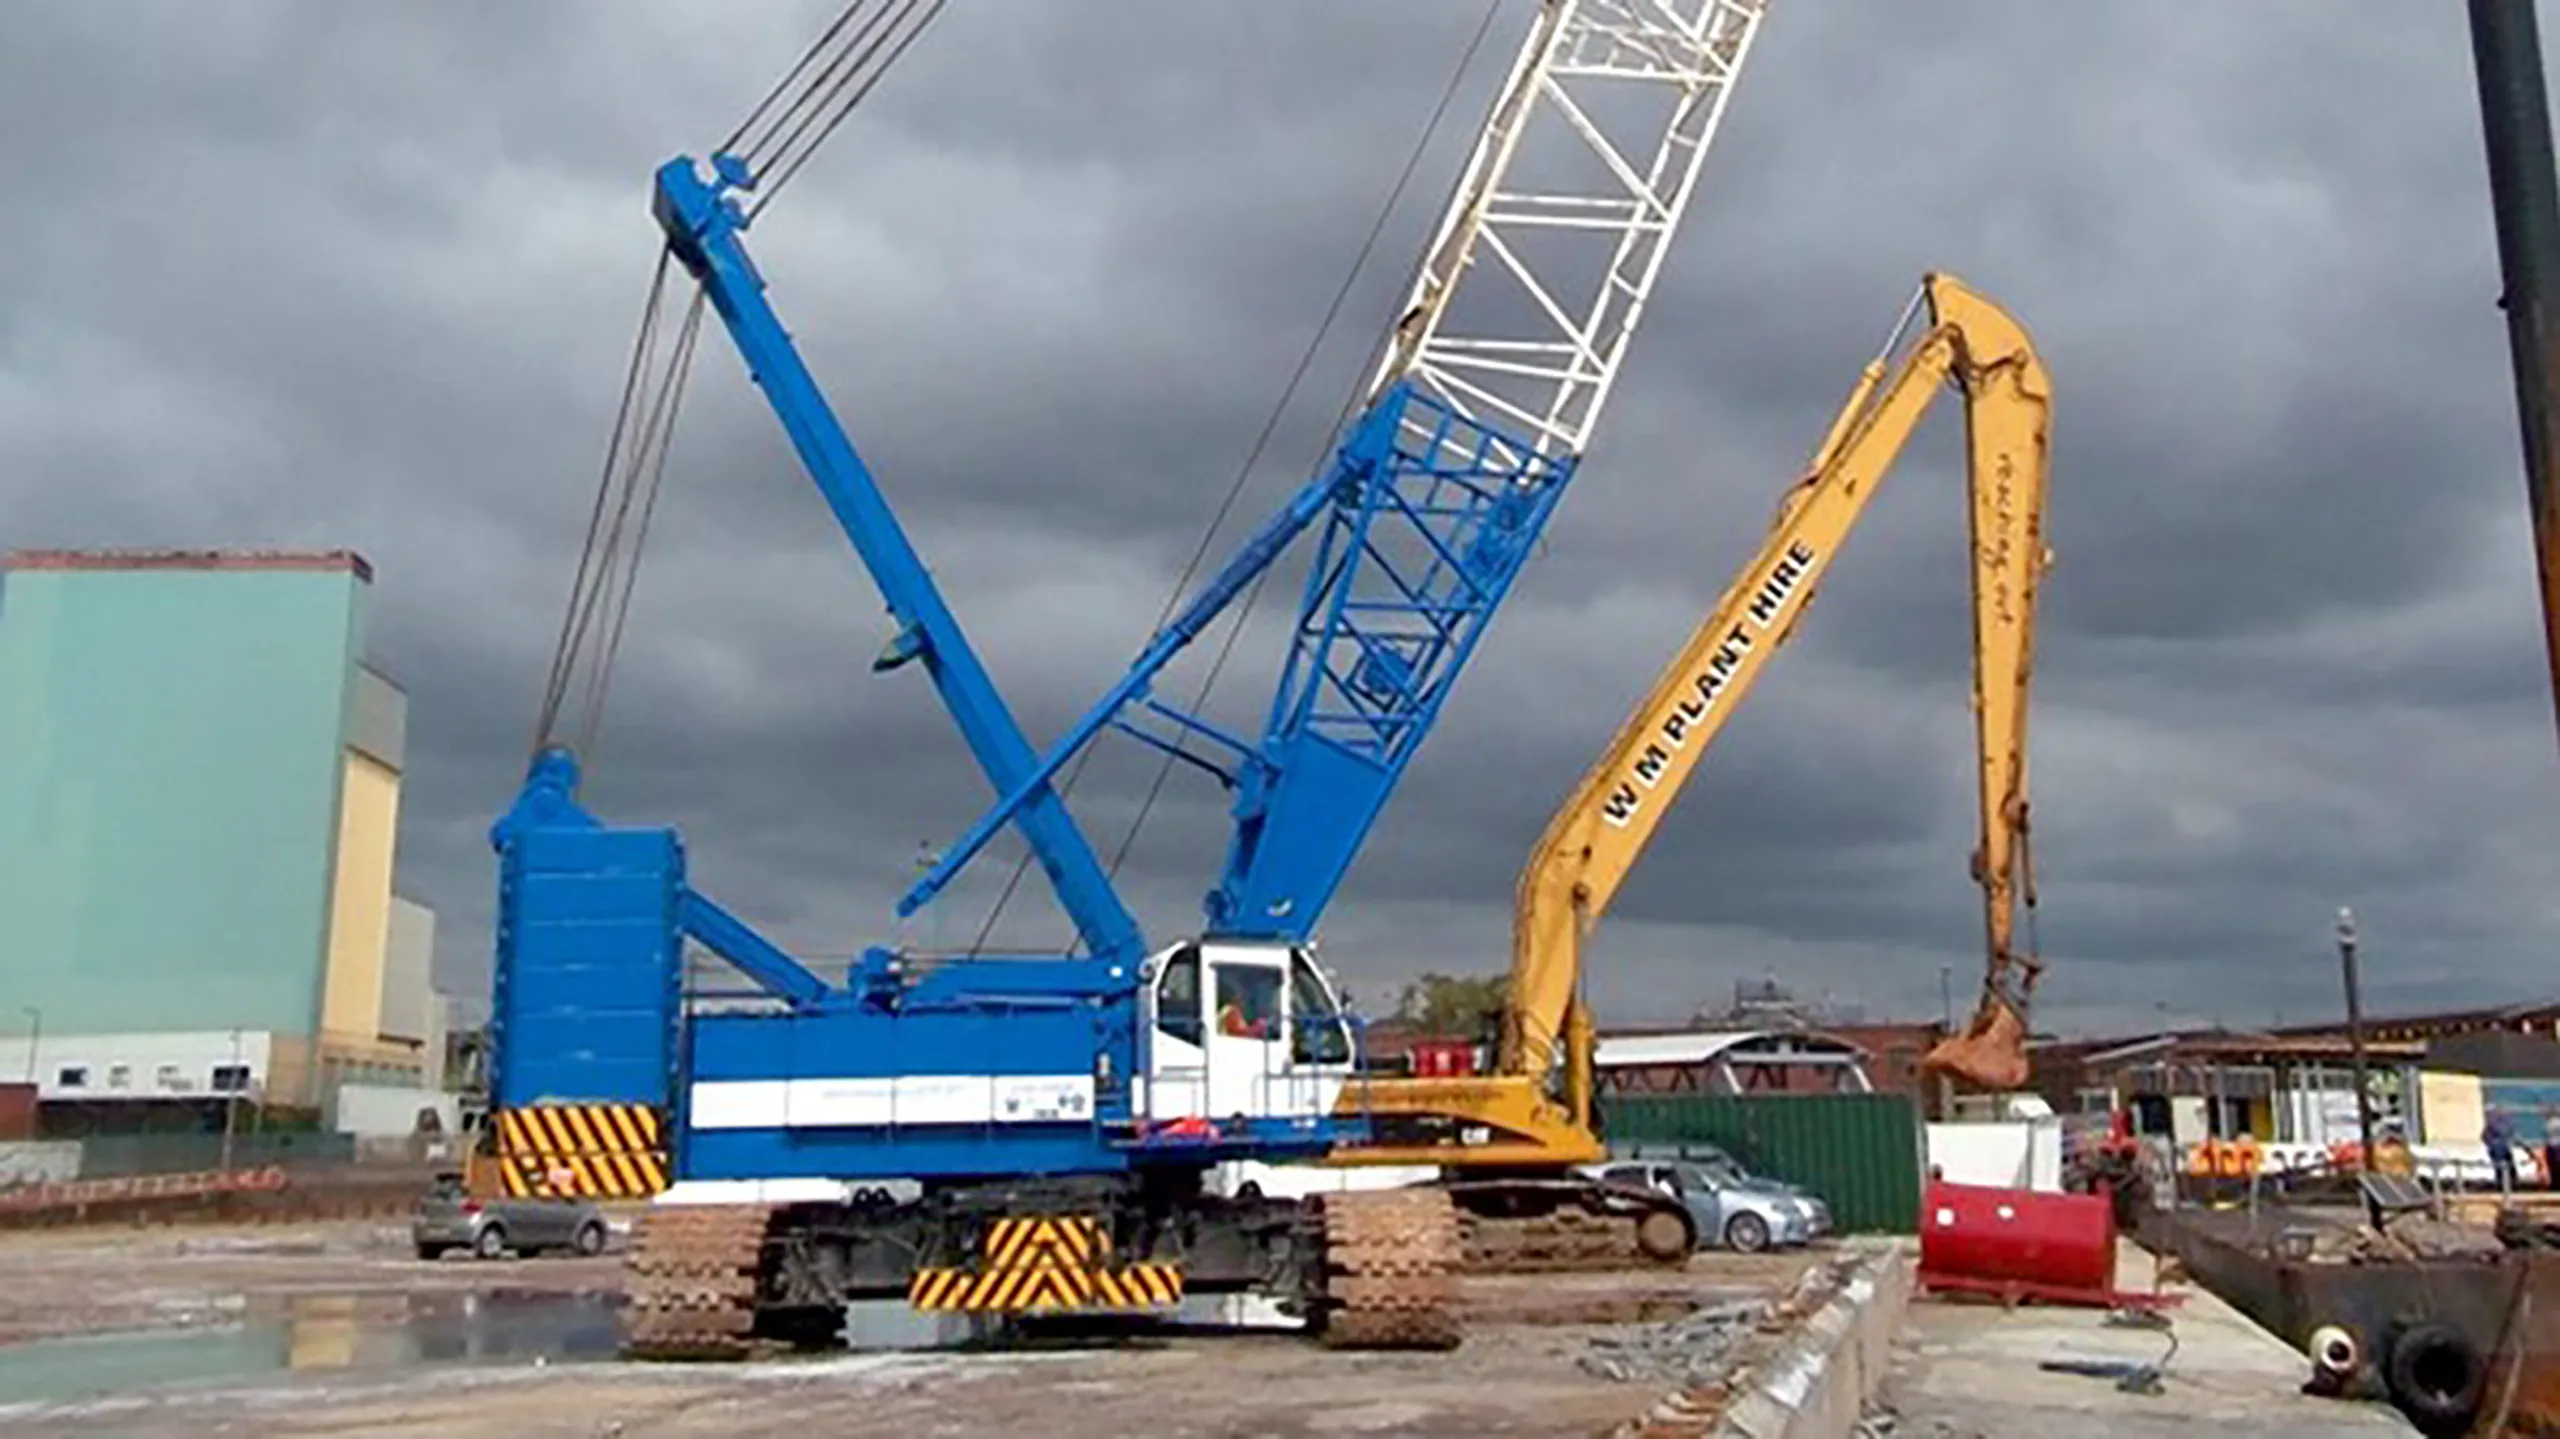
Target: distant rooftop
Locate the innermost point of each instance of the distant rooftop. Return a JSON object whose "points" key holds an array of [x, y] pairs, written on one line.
{"points": [[167, 559]]}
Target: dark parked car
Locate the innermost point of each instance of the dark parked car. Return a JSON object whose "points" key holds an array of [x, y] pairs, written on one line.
{"points": [[448, 1218]]}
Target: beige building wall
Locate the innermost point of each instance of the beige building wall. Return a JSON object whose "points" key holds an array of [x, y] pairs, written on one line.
{"points": [[2450, 1108], [360, 907]]}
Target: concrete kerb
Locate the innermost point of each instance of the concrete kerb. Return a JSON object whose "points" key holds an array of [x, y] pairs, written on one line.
{"points": [[1816, 1382]]}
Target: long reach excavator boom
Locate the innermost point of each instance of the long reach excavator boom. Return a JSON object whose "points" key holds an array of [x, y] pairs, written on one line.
{"points": [[1597, 837], [1505, 1141]]}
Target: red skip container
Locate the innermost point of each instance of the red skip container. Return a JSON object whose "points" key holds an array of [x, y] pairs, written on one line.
{"points": [[1973, 1232]]}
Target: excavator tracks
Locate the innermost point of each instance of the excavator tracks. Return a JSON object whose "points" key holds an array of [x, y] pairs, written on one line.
{"points": [[693, 1271], [1569, 1232], [1568, 1239], [1391, 1262]]}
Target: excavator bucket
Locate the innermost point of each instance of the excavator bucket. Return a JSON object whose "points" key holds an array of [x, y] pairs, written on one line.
{"points": [[1990, 1054]]}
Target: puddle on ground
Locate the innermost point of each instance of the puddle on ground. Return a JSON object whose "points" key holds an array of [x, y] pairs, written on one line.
{"points": [[877, 1325], [394, 1331], [317, 1332]]}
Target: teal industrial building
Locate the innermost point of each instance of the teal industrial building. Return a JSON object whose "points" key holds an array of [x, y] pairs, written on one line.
{"points": [[199, 799]]}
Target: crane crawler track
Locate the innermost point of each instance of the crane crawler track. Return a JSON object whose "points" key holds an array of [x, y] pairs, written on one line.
{"points": [[1391, 1270], [692, 1279]]}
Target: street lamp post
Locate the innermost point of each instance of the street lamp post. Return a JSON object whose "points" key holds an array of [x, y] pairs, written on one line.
{"points": [[2355, 1038], [35, 1031]]}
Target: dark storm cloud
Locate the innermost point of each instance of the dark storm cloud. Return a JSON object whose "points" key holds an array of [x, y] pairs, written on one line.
{"points": [[330, 275]]}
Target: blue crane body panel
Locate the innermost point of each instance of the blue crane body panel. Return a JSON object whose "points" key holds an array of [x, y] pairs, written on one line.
{"points": [[587, 1002], [923, 1091]]}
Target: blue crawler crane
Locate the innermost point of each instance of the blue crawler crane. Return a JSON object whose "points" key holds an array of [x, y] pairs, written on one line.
{"points": [[1058, 1115]]}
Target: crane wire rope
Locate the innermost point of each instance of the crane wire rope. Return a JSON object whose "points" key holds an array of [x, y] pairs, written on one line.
{"points": [[656, 441], [566, 647], [609, 563], [599, 606], [1235, 488], [861, 55]]}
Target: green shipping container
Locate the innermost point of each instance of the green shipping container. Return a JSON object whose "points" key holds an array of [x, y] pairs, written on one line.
{"points": [[1860, 1152]]}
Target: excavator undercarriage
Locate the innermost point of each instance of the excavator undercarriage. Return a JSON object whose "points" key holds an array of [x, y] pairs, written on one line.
{"points": [[1538, 1223]]}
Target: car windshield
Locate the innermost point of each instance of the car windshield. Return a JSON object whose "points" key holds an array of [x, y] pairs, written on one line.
{"points": [[1720, 1170]]}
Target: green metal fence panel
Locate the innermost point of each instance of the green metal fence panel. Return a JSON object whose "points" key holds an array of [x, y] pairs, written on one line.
{"points": [[116, 1156], [1861, 1152]]}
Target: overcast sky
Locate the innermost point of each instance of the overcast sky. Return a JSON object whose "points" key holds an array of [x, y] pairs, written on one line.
{"points": [[311, 274]]}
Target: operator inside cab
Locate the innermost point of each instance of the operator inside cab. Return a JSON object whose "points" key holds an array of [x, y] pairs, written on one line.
{"points": [[1248, 1001]]}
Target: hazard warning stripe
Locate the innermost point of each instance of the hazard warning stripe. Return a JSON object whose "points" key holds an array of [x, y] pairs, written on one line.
{"points": [[1029, 1263], [1021, 1291], [1076, 1239], [582, 1151]]}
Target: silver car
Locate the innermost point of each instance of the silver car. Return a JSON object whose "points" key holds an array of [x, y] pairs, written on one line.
{"points": [[448, 1218], [1732, 1208]]}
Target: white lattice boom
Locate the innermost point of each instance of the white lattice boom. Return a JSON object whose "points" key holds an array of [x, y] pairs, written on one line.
{"points": [[1575, 251]]}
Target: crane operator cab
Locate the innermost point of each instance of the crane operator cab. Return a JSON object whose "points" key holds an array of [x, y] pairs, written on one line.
{"points": [[1243, 1030]]}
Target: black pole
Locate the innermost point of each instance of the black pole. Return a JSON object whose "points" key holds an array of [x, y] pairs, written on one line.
{"points": [[2355, 1047], [2524, 197]]}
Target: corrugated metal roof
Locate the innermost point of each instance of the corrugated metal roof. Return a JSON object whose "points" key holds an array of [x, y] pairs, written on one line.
{"points": [[1703, 1047], [2248, 1045], [173, 559]]}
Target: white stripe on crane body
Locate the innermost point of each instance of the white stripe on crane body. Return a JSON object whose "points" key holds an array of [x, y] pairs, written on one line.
{"points": [[880, 1102]]}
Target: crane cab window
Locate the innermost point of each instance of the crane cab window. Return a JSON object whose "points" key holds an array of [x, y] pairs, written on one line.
{"points": [[1318, 1034], [1248, 1001], [1178, 997]]}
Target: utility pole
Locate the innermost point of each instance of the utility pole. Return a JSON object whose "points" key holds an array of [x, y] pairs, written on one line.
{"points": [[2355, 1047], [238, 1077], [2524, 198], [35, 1031]]}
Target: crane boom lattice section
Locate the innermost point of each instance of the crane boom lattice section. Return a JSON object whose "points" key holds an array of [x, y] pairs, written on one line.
{"points": [[1565, 212], [1472, 427]]}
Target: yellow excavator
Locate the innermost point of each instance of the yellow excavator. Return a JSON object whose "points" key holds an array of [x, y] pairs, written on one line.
{"points": [[1507, 1142]]}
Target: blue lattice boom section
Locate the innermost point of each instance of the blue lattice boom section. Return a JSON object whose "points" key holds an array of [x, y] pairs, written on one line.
{"points": [[1424, 517], [1432, 516]]}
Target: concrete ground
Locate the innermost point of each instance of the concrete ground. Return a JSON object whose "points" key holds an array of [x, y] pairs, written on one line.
{"points": [[62, 1282], [336, 1330], [1964, 1370]]}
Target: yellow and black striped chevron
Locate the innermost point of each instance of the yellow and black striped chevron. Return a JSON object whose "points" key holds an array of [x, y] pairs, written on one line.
{"points": [[581, 1151], [1052, 1262], [1023, 1291]]}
